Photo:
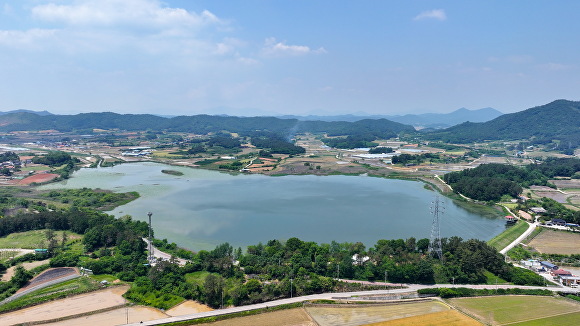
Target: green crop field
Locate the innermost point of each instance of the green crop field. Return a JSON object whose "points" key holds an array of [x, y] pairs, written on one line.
{"points": [[32, 239], [571, 319], [520, 309], [509, 235]]}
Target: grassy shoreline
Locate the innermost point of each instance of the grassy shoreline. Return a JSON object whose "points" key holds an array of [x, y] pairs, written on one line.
{"points": [[508, 236]]}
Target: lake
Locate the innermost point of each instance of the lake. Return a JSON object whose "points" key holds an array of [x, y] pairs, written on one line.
{"points": [[202, 208]]}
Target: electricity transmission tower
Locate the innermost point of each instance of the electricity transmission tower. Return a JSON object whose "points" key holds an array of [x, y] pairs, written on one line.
{"points": [[435, 241]]}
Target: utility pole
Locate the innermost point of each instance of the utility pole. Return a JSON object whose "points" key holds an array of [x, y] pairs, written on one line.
{"points": [[150, 240], [386, 286], [291, 287]]}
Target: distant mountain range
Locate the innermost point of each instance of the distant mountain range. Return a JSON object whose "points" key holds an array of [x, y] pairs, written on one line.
{"points": [[426, 120], [201, 124], [558, 120], [41, 113]]}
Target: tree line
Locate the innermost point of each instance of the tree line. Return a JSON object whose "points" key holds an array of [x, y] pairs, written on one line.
{"points": [[489, 182]]}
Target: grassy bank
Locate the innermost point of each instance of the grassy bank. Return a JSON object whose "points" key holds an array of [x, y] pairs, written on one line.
{"points": [[508, 236]]}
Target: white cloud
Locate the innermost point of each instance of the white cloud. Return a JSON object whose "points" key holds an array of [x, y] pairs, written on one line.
{"points": [[123, 27], [25, 39], [274, 48], [145, 13], [552, 66], [247, 61], [438, 14]]}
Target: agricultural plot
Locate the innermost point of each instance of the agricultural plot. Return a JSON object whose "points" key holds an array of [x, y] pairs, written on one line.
{"points": [[74, 305], [364, 315], [443, 318], [567, 184], [560, 320], [32, 239], [520, 310], [119, 316], [290, 317], [556, 242]]}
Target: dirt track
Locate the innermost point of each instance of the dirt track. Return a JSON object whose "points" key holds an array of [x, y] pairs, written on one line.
{"points": [[28, 266]]}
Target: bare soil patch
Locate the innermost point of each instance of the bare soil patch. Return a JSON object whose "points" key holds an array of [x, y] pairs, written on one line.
{"points": [[188, 307], [555, 195], [355, 316], [119, 316], [556, 242], [28, 266], [567, 184], [38, 178], [525, 215], [290, 317], [443, 318], [70, 306]]}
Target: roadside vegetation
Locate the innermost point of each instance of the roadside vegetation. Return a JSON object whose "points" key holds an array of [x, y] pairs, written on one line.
{"points": [[508, 236]]}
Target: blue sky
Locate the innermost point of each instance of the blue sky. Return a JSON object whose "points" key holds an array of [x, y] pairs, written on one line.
{"points": [[252, 57]]}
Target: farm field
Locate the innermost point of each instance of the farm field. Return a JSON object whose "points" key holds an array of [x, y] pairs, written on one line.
{"points": [[520, 310], [32, 239], [364, 315], [560, 320], [556, 242], [78, 304], [119, 316], [290, 317], [443, 318], [567, 184], [38, 178]]}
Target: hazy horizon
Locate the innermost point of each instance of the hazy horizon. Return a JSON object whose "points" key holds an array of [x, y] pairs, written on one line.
{"points": [[253, 57]]}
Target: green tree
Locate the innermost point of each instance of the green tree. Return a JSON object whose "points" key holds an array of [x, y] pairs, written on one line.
{"points": [[21, 276], [213, 288]]}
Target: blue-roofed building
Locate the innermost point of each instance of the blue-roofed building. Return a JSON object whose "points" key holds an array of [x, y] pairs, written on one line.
{"points": [[549, 265]]}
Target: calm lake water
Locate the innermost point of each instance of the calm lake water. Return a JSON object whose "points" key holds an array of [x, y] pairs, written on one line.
{"points": [[201, 208]]}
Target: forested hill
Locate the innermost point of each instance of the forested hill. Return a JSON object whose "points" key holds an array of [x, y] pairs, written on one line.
{"points": [[201, 124], [558, 120]]}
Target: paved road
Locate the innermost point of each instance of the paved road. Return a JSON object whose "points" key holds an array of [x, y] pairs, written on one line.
{"points": [[524, 235], [163, 255], [330, 296]]}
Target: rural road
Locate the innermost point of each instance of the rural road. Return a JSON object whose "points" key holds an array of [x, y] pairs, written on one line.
{"points": [[163, 255], [524, 235], [330, 296]]}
